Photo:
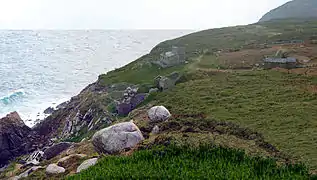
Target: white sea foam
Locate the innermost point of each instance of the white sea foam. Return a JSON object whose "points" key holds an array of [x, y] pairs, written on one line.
{"points": [[40, 69]]}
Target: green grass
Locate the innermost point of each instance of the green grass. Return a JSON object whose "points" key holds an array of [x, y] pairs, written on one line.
{"points": [[274, 104], [10, 168], [204, 162], [242, 37], [132, 73], [252, 36]]}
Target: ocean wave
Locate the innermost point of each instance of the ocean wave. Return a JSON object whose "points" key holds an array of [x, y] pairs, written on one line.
{"points": [[48, 73], [12, 97]]}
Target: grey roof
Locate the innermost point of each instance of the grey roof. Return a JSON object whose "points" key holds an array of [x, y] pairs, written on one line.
{"points": [[280, 60], [288, 42], [168, 54]]}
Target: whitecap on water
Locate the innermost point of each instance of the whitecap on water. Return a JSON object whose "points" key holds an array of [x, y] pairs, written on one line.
{"points": [[56, 65], [12, 97]]}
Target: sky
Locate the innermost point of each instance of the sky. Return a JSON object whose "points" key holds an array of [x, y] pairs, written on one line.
{"points": [[131, 14]]}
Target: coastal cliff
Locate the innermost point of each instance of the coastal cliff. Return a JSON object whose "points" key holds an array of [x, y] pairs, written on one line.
{"points": [[16, 138], [218, 100]]}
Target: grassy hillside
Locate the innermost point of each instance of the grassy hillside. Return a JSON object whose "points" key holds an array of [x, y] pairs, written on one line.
{"points": [[241, 121], [277, 105], [220, 83], [189, 163], [229, 39], [293, 9]]}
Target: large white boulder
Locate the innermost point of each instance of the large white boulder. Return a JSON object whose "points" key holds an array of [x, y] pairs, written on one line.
{"points": [[117, 137], [158, 114], [86, 164], [54, 169]]}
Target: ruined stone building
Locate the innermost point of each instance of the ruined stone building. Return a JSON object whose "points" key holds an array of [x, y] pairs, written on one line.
{"points": [[172, 58]]}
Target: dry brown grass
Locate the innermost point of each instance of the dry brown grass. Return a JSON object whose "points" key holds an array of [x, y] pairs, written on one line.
{"points": [[245, 58], [252, 56]]}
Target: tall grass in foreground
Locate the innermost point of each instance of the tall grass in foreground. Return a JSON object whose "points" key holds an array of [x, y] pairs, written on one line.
{"points": [[205, 162]]}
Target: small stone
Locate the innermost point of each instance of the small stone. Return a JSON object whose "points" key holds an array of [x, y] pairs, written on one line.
{"points": [[86, 164], [33, 162], [153, 90], [54, 139], [54, 169], [155, 130]]}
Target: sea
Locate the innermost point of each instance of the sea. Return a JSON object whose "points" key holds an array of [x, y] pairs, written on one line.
{"points": [[43, 68]]}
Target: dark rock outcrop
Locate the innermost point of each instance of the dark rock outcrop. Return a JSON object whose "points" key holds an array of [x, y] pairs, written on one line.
{"points": [[62, 105], [73, 115], [49, 110], [130, 101], [56, 149], [14, 139]]}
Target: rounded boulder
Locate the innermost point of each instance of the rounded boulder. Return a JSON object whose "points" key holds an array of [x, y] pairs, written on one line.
{"points": [[54, 169], [158, 114], [117, 137]]}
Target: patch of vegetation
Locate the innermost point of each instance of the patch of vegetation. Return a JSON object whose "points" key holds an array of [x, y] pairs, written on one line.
{"points": [[274, 104], [83, 133], [174, 162], [9, 169], [142, 74], [144, 88], [41, 175], [254, 36], [112, 108]]}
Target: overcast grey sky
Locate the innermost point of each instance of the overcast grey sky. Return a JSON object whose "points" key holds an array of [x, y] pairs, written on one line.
{"points": [[131, 14]]}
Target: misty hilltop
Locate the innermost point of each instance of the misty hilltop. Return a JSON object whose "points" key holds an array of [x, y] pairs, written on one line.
{"points": [[293, 9]]}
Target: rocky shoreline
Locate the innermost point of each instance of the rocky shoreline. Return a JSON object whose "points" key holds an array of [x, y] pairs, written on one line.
{"points": [[73, 118], [122, 113], [19, 140]]}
